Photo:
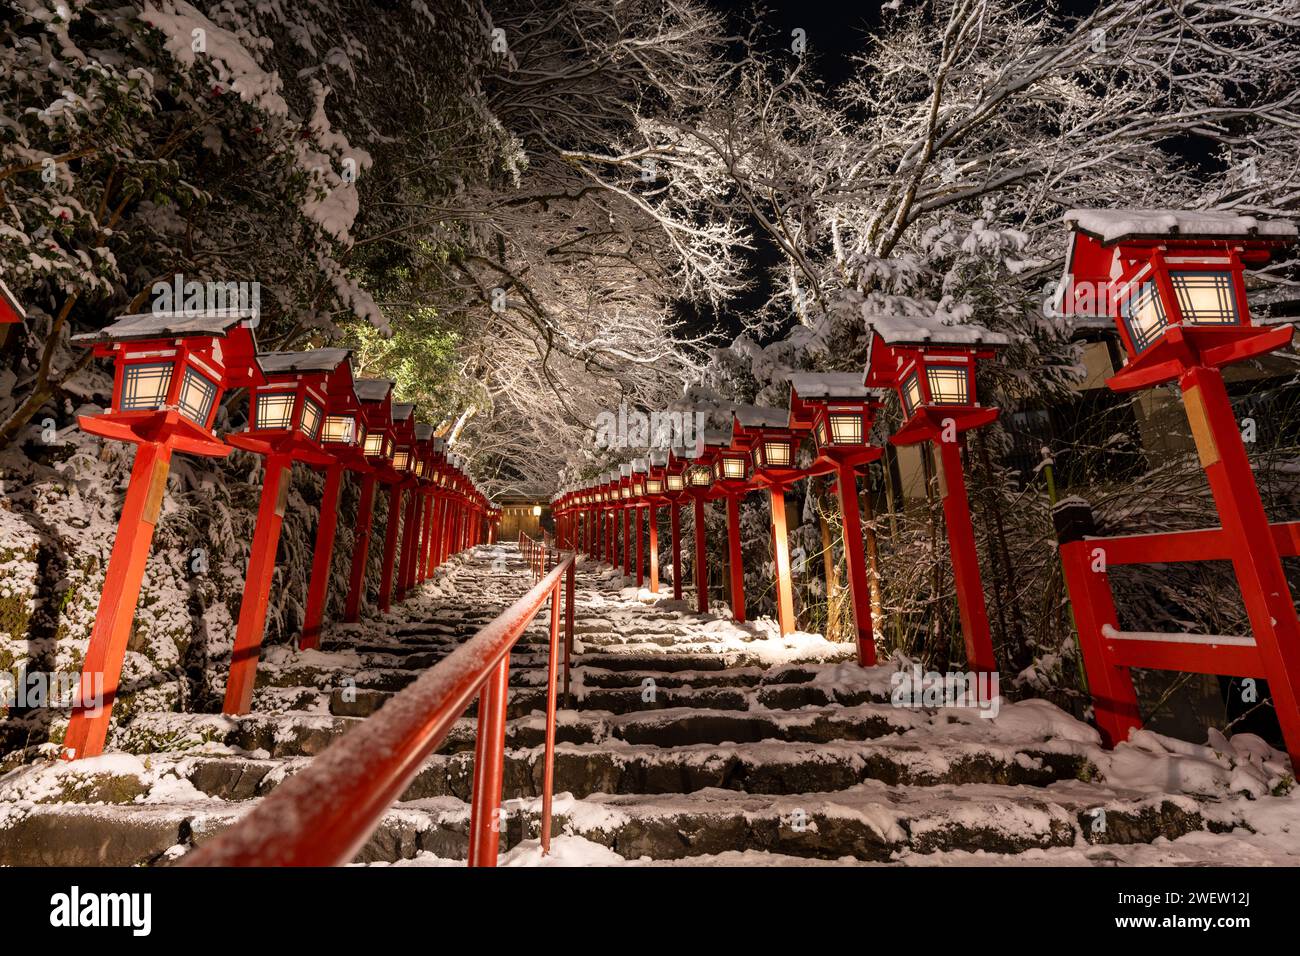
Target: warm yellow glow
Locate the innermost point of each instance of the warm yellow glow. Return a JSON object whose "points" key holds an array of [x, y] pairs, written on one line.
{"points": [[776, 454], [676, 483], [948, 384], [144, 386], [846, 429], [654, 486], [1144, 314], [911, 392], [274, 410], [537, 511], [400, 460], [733, 467], [375, 445], [311, 417], [340, 429], [197, 395], [1205, 298]]}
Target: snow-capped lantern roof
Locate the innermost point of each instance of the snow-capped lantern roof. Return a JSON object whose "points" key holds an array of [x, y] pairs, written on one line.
{"points": [[758, 416], [840, 410], [287, 411], [640, 465], [1172, 282], [11, 310], [311, 360], [833, 385]]}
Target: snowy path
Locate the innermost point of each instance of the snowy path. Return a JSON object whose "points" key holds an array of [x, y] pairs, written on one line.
{"points": [[693, 740]]}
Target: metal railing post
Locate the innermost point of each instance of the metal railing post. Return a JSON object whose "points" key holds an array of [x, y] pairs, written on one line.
{"points": [[548, 771], [489, 768]]}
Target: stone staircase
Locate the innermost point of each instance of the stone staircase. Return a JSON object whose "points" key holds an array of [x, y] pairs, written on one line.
{"points": [[690, 739]]}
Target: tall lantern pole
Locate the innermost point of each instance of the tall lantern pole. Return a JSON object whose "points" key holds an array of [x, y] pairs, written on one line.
{"points": [[932, 367], [286, 416], [1173, 282], [774, 448], [699, 486], [731, 481], [840, 410], [376, 398], [675, 494], [404, 438], [637, 503], [170, 370], [343, 435]]}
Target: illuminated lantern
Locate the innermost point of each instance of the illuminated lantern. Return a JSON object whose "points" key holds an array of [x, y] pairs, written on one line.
{"points": [[413, 530], [932, 368], [375, 398], [773, 445], [403, 478], [656, 470], [840, 411], [698, 475], [286, 416], [1173, 283], [640, 467], [625, 507], [731, 481], [343, 435], [170, 370], [674, 483]]}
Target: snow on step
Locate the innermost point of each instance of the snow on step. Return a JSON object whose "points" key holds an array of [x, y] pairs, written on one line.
{"points": [[691, 740]]}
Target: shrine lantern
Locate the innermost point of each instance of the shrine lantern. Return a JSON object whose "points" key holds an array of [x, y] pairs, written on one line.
{"points": [[774, 447], [403, 480], [343, 436], [931, 365], [731, 482], [169, 372], [1174, 284], [286, 417], [375, 400], [840, 410]]}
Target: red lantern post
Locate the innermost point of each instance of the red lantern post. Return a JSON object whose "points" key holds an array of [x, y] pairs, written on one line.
{"points": [[674, 478], [344, 437], [731, 482], [286, 415], [932, 367], [376, 397], [774, 447], [699, 486], [1173, 282], [170, 370], [840, 410], [404, 440]]}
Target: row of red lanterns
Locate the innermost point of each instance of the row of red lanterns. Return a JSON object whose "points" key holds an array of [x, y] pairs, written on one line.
{"points": [[170, 371], [930, 367]]}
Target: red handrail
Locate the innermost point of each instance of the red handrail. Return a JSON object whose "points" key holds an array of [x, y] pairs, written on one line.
{"points": [[323, 815], [541, 557]]}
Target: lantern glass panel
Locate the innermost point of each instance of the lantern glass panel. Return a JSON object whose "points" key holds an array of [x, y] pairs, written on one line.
{"points": [[274, 410], [911, 393], [821, 433], [676, 483], [698, 476], [638, 488], [623, 492], [1144, 316], [198, 393], [733, 467], [653, 486], [777, 454], [311, 418], [949, 384], [339, 429], [1206, 298], [144, 386], [846, 429], [375, 445], [401, 459]]}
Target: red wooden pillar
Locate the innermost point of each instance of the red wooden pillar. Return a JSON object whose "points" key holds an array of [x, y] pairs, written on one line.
{"points": [[965, 560], [410, 524], [360, 550], [735, 562], [390, 545], [612, 538], [654, 550], [701, 560], [855, 558], [675, 528], [88, 727], [640, 546], [781, 553], [435, 532], [627, 541], [257, 585], [322, 557], [1255, 560]]}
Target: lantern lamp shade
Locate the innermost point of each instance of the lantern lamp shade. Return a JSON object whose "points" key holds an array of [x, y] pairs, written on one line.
{"points": [[147, 385], [312, 417], [654, 486], [273, 409], [343, 430], [948, 384], [773, 453], [845, 428], [676, 482], [699, 476], [401, 459], [730, 466]]}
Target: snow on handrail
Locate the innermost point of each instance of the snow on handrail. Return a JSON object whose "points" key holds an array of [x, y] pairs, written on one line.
{"points": [[324, 815]]}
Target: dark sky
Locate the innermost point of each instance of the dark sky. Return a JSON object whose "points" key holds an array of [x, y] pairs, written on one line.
{"points": [[833, 31]]}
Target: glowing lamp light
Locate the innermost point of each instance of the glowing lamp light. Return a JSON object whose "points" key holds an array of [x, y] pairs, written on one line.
{"points": [[654, 486], [1173, 284], [537, 511], [731, 466], [677, 482], [773, 453]]}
